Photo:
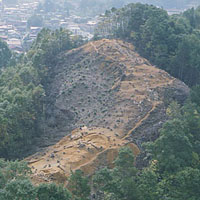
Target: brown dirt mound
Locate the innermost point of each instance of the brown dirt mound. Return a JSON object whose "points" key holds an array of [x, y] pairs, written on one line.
{"points": [[117, 98]]}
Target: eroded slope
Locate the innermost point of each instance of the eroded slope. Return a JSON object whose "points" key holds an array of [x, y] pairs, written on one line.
{"points": [[114, 94]]}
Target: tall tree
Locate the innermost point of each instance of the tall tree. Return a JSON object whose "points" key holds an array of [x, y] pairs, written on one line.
{"points": [[79, 185], [5, 54], [120, 182]]}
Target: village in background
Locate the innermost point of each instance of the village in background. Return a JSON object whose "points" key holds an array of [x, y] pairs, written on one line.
{"points": [[22, 20], [20, 23]]}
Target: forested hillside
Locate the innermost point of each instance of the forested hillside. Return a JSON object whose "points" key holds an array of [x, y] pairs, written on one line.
{"points": [[121, 97], [5, 54], [22, 91], [170, 42]]}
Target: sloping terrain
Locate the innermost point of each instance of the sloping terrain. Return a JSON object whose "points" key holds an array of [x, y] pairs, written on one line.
{"points": [[103, 96], [86, 149]]}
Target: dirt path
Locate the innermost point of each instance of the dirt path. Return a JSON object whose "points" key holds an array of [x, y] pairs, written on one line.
{"points": [[139, 123]]}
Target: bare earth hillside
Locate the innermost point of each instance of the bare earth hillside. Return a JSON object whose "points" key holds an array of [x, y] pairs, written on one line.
{"points": [[104, 96]]}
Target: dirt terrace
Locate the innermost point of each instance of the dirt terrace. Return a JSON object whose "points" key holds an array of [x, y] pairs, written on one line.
{"points": [[108, 95]]}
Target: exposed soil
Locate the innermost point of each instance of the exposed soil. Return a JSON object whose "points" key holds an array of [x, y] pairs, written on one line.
{"points": [[116, 96]]}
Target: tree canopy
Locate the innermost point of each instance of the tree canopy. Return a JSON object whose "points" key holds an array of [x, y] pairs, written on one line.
{"points": [[5, 54], [170, 42], [23, 90]]}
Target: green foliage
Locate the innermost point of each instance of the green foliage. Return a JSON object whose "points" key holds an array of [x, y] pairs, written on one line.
{"points": [[125, 159], [185, 64], [10, 171], [175, 165], [52, 192], [96, 7], [15, 184], [174, 110], [44, 51], [22, 91], [193, 16], [5, 54], [148, 185], [18, 190], [120, 182], [173, 149], [170, 42], [179, 142], [13, 181], [176, 155], [79, 185], [21, 102], [191, 118], [184, 185], [195, 95]]}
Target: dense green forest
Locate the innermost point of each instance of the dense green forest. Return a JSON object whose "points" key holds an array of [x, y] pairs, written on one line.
{"points": [[22, 90], [5, 54], [171, 43]]}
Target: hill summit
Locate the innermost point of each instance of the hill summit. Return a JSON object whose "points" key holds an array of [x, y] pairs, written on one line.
{"points": [[102, 96]]}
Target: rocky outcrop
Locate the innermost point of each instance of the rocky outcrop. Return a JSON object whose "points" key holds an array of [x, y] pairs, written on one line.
{"points": [[116, 96]]}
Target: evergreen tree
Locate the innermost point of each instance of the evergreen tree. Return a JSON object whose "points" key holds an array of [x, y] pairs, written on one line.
{"points": [[79, 185], [5, 54]]}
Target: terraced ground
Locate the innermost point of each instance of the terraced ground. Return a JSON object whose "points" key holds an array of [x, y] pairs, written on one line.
{"points": [[104, 96]]}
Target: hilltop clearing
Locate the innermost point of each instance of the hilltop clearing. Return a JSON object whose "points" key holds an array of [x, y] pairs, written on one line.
{"points": [[103, 96]]}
